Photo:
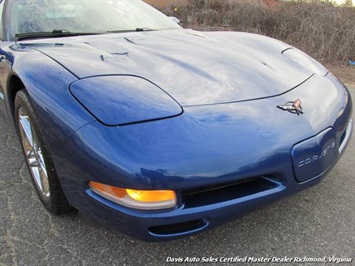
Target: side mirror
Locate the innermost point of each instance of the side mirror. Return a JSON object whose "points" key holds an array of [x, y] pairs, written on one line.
{"points": [[176, 20]]}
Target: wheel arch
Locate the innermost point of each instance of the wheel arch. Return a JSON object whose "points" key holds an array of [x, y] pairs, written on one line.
{"points": [[14, 85]]}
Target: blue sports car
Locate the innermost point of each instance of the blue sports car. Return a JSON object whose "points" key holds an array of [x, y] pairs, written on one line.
{"points": [[158, 131]]}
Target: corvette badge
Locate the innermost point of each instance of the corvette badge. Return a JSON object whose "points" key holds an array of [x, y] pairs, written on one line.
{"points": [[292, 107]]}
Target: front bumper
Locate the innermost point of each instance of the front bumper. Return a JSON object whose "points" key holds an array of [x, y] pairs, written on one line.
{"points": [[216, 179]]}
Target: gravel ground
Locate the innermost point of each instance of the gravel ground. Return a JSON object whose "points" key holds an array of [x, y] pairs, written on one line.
{"points": [[315, 223]]}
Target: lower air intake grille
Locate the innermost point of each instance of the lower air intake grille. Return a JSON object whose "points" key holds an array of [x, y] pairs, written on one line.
{"points": [[220, 193], [180, 228]]}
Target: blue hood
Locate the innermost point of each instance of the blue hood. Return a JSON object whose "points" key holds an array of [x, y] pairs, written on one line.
{"points": [[194, 68]]}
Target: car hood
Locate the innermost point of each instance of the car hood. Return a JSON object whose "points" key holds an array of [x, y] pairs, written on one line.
{"points": [[192, 67]]}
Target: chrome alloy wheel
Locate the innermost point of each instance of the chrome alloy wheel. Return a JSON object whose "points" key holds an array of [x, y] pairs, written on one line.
{"points": [[33, 153]]}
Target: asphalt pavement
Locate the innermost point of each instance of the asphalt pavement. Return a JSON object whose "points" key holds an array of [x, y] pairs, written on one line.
{"points": [[316, 223]]}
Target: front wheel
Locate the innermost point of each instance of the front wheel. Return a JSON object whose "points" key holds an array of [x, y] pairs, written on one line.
{"points": [[37, 157]]}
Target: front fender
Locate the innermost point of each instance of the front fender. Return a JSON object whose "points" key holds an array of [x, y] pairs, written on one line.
{"points": [[47, 83]]}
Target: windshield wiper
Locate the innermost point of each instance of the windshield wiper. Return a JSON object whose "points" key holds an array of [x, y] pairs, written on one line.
{"points": [[51, 34], [137, 29]]}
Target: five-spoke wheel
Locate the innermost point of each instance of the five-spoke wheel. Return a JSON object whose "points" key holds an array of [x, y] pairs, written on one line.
{"points": [[38, 159]]}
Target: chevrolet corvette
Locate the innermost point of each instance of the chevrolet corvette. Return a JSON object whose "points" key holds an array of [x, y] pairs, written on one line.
{"points": [[159, 131]]}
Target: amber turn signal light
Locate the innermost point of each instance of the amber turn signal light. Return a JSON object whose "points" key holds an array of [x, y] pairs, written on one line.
{"points": [[137, 199]]}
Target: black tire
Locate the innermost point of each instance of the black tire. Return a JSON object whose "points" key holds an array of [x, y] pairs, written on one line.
{"points": [[38, 159]]}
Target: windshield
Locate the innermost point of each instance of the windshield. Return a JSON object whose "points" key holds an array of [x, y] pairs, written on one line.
{"points": [[84, 16]]}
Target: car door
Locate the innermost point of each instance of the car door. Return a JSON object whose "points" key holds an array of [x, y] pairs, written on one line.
{"points": [[4, 62]]}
